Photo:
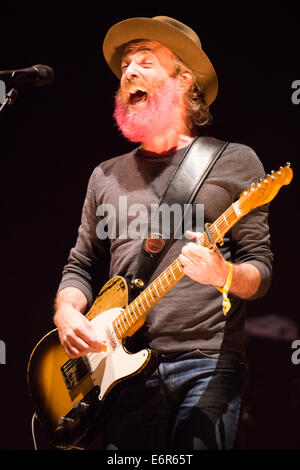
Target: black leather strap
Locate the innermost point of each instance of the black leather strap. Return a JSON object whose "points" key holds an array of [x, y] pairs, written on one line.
{"points": [[195, 165]]}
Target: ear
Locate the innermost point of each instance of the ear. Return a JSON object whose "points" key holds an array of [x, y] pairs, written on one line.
{"points": [[184, 81]]}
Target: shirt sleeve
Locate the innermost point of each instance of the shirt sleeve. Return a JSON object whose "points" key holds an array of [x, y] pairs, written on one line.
{"points": [[251, 235], [90, 255]]}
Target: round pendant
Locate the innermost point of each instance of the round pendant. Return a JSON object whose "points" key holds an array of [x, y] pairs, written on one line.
{"points": [[154, 243]]}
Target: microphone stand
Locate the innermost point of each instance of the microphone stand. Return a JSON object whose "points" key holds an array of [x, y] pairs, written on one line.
{"points": [[10, 98]]}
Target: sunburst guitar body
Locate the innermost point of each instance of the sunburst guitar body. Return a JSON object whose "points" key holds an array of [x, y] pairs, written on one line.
{"points": [[68, 393]]}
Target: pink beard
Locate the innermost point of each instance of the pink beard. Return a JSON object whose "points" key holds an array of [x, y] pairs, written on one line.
{"points": [[159, 115]]}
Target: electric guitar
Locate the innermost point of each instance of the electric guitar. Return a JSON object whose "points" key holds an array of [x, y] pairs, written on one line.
{"points": [[70, 394]]}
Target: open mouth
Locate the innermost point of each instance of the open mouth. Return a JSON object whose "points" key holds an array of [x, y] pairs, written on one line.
{"points": [[137, 97]]}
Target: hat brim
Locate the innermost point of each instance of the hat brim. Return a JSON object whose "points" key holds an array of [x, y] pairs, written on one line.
{"points": [[167, 35]]}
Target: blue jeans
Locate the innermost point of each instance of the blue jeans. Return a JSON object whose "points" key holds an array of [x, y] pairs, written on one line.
{"points": [[191, 401]]}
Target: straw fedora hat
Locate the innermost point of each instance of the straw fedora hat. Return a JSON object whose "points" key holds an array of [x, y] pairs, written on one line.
{"points": [[178, 37]]}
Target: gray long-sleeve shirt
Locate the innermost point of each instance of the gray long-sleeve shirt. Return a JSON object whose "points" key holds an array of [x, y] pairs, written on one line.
{"points": [[190, 316]]}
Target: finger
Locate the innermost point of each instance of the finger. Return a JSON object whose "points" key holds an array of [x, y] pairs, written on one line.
{"points": [[87, 333], [79, 344], [76, 347], [193, 235], [184, 260], [71, 351], [82, 338], [191, 249], [73, 343], [90, 344]]}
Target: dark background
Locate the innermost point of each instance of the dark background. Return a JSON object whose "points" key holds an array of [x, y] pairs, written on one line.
{"points": [[52, 138]]}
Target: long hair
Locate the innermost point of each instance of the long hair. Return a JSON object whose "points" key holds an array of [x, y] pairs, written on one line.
{"points": [[196, 107]]}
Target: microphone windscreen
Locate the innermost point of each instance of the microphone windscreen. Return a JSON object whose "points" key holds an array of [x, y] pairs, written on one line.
{"points": [[45, 75]]}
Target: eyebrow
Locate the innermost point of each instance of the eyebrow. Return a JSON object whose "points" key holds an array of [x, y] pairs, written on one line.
{"points": [[135, 50]]}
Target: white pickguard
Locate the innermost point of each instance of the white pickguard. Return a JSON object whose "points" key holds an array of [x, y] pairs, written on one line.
{"points": [[115, 364]]}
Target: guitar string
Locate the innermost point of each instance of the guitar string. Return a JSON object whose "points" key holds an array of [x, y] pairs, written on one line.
{"points": [[127, 314], [94, 357], [148, 292], [222, 224], [219, 224], [173, 269]]}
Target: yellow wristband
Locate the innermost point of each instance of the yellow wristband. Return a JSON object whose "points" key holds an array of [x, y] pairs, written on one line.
{"points": [[224, 290]]}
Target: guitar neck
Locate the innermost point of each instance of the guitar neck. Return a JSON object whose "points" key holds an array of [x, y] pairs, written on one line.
{"points": [[139, 308]]}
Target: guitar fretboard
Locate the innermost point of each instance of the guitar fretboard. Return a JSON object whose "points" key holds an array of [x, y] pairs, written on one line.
{"points": [[139, 308]]}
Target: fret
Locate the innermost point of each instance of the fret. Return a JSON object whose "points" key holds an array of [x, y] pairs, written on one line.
{"points": [[173, 273], [178, 265], [137, 308], [201, 240], [230, 218], [116, 328], [130, 315], [127, 315], [140, 298], [121, 329], [119, 334], [219, 228], [224, 218], [219, 235], [120, 324], [153, 288], [161, 284], [166, 278], [233, 215], [236, 209], [125, 319], [149, 289], [204, 239], [147, 300], [156, 289]]}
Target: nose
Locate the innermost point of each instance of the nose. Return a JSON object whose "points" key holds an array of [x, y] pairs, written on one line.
{"points": [[131, 71]]}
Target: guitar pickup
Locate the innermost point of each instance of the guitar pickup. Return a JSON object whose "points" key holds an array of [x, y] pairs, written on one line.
{"points": [[74, 371]]}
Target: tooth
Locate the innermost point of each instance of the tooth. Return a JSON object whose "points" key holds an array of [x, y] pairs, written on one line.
{"points": [[134, 90]]}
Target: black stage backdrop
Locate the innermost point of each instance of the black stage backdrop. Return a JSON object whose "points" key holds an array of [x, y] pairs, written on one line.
{"points": [[52, 138]]}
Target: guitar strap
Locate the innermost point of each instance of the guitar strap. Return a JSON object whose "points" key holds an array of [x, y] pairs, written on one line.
{"points": [[185, 183]]}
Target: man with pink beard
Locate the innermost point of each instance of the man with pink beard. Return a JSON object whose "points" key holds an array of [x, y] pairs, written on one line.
{"points": [[193, 398]]}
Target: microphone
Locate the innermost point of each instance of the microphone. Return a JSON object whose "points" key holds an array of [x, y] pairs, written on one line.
{"points": [[37, 75]]}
